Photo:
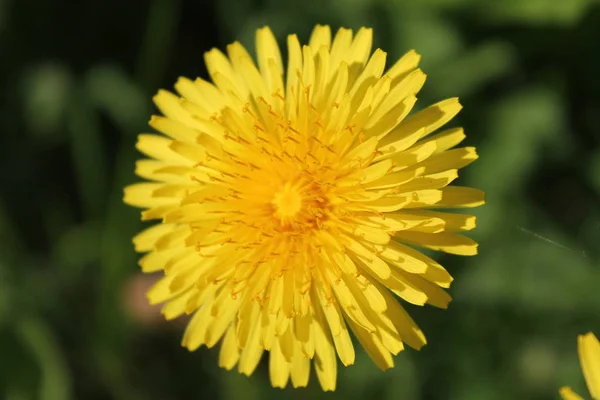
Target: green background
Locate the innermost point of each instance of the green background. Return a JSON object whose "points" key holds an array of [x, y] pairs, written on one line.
{"points": [[76, 80]]}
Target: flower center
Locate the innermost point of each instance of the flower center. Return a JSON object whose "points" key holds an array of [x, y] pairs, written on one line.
{"points": [[300, 206], [287, 202]]}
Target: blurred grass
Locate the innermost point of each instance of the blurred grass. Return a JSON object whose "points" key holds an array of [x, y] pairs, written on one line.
{"points": [[77, 85]]}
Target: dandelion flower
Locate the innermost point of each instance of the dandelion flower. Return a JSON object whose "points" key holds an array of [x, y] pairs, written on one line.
{"points": [[290, 201], [589, 357]]}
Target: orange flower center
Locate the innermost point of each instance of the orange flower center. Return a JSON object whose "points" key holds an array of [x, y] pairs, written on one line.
{"points": [[287, 202], [300, 206]]}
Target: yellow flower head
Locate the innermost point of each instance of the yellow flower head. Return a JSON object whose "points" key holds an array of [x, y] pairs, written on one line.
{"points": [[288, 199], [589, 357]]}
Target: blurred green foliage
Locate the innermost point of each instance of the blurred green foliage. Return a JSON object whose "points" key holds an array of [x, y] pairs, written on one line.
{"points": [[77, 81]]}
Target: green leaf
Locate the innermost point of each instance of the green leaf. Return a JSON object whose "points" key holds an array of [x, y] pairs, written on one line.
{"points": [[37, 337], [46, 91], [112, 91], [518, 126], [529, 268], [535, 12], [87, 153], [159, 35], [75, 249], [431, 35], [594, 171], [467, 73], [237, 386]]}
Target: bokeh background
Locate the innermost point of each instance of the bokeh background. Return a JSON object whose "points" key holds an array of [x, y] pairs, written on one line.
{"points": [[76, 80]]}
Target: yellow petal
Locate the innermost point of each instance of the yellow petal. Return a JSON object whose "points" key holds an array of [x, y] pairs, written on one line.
{"points": [[279, 368], [195, 332], [339, 330], [431, 181], [399, 145], [406, 292], [430, 118], [394, 179], [373, 172], [243, 65], [404, 65], [161, 291], [230, 353], [248, 315], [434, 295], [223, 312], [236, 52], [170, 106], [213, 100], [268, 49], [404, 324], [217, 63], [369, 234], [344, 262], [350, 306], [380, 127], [205, 97], [146, 239], [195, 101], [362, 151], [444, 241], [404, 257], [389, 336], [156, 260], [199, 212], [407, 88], [320, 36], [157, 212], [300, 369], [460, 197], [173, 239], [176, 306], [401, 220], [175, 190], [302, 332], [325, 360], [446, 139], [294, 69], [190, 152], [157, 147], [415, 199], [412, 156], [360, 49], [380, 355], [367, 258], [589, 355], [453, 222], [568, 394], [369, 75], [252, 352], [340, 47], [308, 76], [435, 273], [160, 171], [338, 89], [141, 195], [367, 295], [381, 89], [320, 92], [276, 86], [174, 129], [451, 159]]}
